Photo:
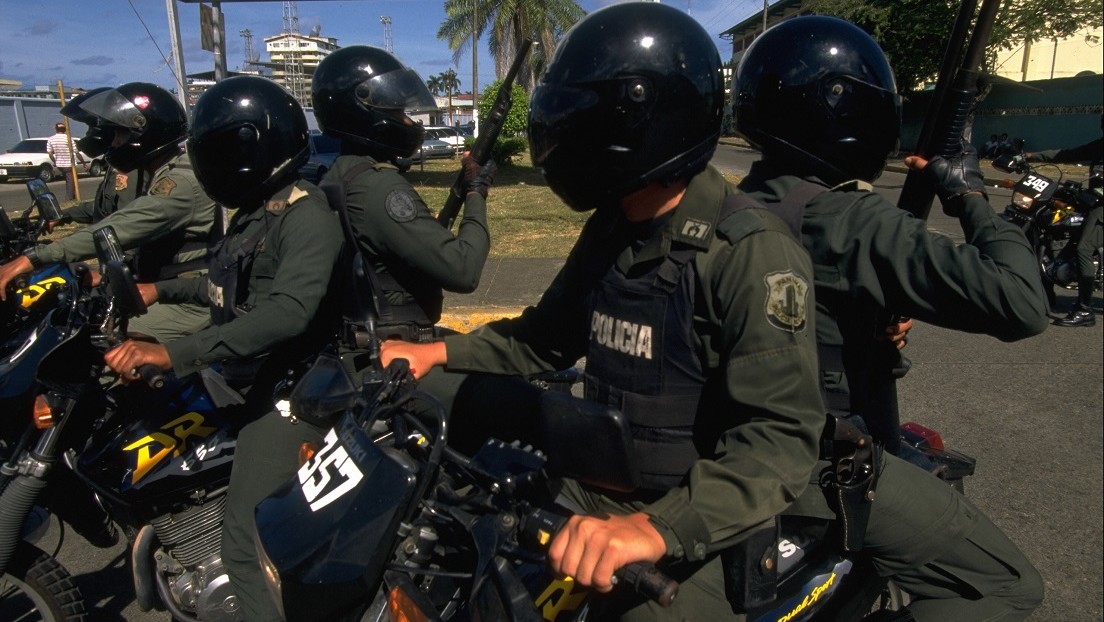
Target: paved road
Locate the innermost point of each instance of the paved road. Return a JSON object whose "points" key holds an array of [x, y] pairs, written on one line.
{"points": [[1030, 412]]}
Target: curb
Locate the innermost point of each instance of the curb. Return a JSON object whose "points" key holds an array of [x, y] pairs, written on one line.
{"points": [[465, 321]]}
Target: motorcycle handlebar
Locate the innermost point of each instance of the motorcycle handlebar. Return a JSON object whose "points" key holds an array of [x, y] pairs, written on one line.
{"points": [[647, 580], [152, 376]]}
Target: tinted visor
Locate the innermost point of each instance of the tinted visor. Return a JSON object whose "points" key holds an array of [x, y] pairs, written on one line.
{"points": [[396, 90], [112, 107]]}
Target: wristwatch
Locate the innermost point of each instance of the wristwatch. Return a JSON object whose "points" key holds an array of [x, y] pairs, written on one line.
{"points": [[32, 256]]}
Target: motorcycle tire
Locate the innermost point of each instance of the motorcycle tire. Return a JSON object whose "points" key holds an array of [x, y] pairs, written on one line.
{"points": [[36, 587]]}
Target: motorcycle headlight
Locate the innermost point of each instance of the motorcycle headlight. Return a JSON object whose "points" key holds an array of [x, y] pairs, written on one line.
{"points": [[271, 575], [1022, 201]]}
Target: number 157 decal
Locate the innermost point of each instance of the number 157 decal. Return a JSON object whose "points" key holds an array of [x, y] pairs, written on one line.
{"points": [[329, 474]]}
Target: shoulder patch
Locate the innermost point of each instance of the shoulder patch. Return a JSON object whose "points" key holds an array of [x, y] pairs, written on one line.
{"points": [[164, 186], [401, 206], [120, 182], [739, 225], [787, 301]]}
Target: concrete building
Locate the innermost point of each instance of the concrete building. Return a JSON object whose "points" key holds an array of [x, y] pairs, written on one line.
{"points": [[293, 59]]}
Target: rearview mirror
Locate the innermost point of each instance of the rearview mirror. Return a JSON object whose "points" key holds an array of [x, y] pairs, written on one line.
{"points": [[124, 289], [108, 247], [326, 389], [44, 200]]}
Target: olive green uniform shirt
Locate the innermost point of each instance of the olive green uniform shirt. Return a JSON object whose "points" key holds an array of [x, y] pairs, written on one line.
{"points": [[869, 254], [761, 401], [289, 279], [175, 202], [398, 231]]}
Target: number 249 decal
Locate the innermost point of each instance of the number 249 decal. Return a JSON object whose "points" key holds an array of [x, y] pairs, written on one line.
{"points": [[329, 474]]}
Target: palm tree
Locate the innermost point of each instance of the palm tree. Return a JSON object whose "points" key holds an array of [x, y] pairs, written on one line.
{"points": [[510, 22], [445, 83]]}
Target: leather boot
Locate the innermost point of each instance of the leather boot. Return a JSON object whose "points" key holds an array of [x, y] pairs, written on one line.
{"points": [[1082, 314]]}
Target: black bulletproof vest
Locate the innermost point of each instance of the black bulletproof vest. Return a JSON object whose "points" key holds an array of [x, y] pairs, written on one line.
{"points": [[642, 359], [420, 298], [229, 268]]}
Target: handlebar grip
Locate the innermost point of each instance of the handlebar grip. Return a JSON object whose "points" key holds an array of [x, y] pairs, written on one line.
{"points": [[648, 581], [152, 375]]}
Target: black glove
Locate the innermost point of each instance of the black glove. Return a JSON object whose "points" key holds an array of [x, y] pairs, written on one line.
{"points": [[956, 177], [478, 178]]}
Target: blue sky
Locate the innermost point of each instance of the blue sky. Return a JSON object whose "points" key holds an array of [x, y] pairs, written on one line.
{"points": [[90, 43]]}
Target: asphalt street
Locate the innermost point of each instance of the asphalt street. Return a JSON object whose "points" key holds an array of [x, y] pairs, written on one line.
{"points": [[1030, 412]]}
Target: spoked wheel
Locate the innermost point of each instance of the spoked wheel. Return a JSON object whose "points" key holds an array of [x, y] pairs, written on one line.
{"points": [[37, 588]]}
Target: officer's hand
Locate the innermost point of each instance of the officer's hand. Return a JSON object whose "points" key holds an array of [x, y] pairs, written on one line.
{"points": [[954, 178], [127, 358], [10, 271], [478, 178], [421, 356], [897, 334], [590, 549], [148, 292]]}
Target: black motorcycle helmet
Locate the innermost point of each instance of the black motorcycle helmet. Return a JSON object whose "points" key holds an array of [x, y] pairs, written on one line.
{"points": [[248, 139], [634, 94], [362, 95], [155, 119], [96, 140], [818, 94]]}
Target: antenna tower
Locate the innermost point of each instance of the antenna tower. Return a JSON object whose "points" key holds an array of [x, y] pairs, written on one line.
{"points": [[293, 60], [250, 51], [388, 44]]}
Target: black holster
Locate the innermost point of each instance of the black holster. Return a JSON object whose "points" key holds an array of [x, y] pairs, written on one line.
{"points": [[851, 479], [751, 567]]}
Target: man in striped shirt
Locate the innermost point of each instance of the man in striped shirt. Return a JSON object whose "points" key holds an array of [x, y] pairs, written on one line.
{"points": [[61, 152]]}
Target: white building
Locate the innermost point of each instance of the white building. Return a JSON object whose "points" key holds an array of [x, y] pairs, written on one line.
{"points": [[293, 59]]}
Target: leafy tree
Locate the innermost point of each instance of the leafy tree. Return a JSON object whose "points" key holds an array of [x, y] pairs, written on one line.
{"points": [[511, 141], [509, 22], [913, 33]]}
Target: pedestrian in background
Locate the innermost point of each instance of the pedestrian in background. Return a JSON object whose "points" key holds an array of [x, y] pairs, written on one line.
{"points": [[61, 152]]}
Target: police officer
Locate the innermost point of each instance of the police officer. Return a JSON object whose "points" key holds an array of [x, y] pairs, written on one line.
{"points": [[267, 290], [817, 97], [1091, 236], [696, 323], [115, 189], [362, 96], [171, 224]]}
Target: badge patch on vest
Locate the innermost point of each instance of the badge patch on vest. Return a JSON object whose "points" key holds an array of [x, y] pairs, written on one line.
{"points": [[164, 185], [787, 301], [120, 182], [400, 206]]}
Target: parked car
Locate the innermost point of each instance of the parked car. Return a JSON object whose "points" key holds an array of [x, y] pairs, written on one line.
{"points": [[324, 150], [431, 148], [450, 135], [29, 159]]}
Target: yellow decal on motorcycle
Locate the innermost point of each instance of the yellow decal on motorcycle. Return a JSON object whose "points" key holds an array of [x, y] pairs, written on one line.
{"points": [[810, 598], [560, 596], [170, 438], [31, 293]]}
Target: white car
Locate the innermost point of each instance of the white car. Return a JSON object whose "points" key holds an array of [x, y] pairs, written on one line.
{"points": [[450, 135], [28, 159]]}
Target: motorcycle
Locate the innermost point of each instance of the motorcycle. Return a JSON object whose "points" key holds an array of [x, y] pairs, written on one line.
{"points": [[1051, 211], [151, 458], [404, 527]]}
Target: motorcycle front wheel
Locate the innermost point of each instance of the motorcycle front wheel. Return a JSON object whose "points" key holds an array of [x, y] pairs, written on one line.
{"points": [[36, 587]]}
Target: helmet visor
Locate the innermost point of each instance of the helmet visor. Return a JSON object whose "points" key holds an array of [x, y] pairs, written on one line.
{"points": [[396, 90], [113, 108]]}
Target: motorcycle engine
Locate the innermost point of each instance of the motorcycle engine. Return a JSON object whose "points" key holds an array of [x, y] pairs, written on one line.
{"points": [[190, 561]]}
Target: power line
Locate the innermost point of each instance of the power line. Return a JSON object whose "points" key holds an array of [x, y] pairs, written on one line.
{"points": [[150, 35]]}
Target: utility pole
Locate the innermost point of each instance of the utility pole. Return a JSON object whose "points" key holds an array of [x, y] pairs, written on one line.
{"points": [[388, 43], [177, 53]]}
